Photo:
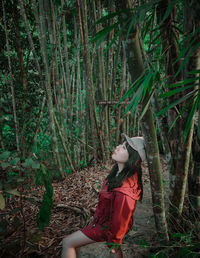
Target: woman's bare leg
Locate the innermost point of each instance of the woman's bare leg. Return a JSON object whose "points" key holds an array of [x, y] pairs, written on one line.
{"points": [[71, 242]]}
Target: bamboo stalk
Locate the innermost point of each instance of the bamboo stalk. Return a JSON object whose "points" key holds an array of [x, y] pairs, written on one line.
{"points": [[42, 38], [91, 103], [38, 125], [66, 150], [11, 80], [19, 49], [66, 54], [32, 48], [163, 135]]}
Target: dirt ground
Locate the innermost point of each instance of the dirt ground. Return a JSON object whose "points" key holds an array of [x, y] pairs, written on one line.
{"points": [[74, 200]]}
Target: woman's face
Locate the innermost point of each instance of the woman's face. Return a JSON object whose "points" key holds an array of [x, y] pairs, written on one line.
{"points": [[120, 153]]}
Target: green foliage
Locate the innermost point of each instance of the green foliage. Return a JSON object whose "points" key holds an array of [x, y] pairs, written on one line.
{"points": [[126, 20], [31, 163], [68, 170], [43, 216], [193, 98], [5, 155], [82, 164], [12, 165], [140, 90]]}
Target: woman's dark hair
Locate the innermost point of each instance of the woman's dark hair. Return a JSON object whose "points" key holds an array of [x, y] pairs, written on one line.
{"points": [[132, 166]]}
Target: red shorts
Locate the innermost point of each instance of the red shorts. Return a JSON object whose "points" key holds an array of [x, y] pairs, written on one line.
{"points": [[95, 232]]}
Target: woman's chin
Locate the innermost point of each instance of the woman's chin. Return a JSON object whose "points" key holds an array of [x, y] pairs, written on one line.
{"points": [[113, 157]]}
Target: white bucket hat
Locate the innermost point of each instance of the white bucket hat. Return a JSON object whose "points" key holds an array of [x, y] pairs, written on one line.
{"points": [[137, 143]]}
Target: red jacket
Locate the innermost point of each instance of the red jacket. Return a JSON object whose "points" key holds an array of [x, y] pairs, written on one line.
{"points": [[115, 209]]}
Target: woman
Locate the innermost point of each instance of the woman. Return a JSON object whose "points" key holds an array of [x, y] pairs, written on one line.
{"points": [[117, 201]]}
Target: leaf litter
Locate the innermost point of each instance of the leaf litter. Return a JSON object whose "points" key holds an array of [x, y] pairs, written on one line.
{"points": [[74, 202]]}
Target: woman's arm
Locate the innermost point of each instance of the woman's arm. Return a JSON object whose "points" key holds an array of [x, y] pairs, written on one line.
{"points": [[121, 217]]}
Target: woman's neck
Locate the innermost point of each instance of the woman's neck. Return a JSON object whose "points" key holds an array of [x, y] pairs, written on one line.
{"points": [[120, 167]]}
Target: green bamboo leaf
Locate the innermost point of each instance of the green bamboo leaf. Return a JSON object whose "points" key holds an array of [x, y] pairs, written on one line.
{"points": [[2, 202], [145, 106], [99, 36], [147, 26], [111, 15], [130, 26], [169, 9], [115, 37], [146, 6], [194, 72], [138, 94], [129, 92], [131, 89], [190, 118], [184, 82], [148, 82], [172, 125], [184, 51], [190, 39], [176, 102], [111, 42], [138, 97], [173, 92], [129, 107], [179, 115], [193, 50], [155, 40], [156, 76]]}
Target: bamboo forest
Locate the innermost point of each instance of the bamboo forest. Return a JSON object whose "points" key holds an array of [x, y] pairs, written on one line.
{"points": [[76, 75]]}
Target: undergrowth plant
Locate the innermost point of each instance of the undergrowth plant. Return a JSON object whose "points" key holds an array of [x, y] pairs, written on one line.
{"points": [[15, 171]]}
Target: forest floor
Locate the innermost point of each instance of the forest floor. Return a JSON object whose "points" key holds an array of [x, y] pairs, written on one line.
{"points": [[74, 202]]}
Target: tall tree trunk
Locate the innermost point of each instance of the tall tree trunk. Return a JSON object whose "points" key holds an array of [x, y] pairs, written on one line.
{"points": [[136, 68]]}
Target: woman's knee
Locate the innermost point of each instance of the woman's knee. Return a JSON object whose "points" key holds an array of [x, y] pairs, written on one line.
{"points": [[76, 239], [66, 242]]}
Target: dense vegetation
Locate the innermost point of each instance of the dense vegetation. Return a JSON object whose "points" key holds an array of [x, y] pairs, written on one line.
{"points": [[76, 74]]}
